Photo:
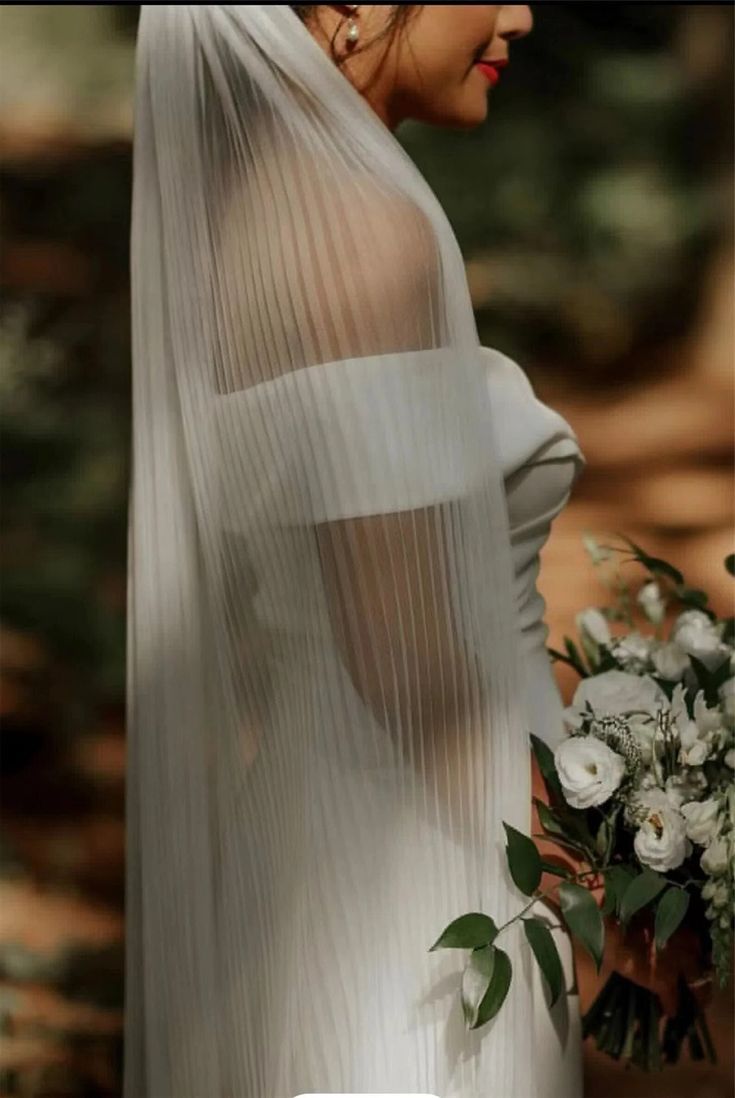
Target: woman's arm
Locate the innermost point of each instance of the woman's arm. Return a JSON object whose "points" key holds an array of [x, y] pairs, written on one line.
{"points": [[386, 582]]}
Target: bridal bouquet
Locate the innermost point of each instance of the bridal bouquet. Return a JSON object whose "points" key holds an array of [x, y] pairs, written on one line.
{"points": [[641, 794]]}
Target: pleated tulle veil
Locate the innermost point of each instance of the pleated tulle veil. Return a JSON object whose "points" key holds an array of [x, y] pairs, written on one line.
{"points": [[326, 725]]}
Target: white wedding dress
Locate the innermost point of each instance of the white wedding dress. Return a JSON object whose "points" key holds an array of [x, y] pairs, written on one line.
{"points": [[541, 461], [354, 976]]}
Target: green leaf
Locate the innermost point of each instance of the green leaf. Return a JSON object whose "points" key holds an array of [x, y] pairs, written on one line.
{"points": [[497, 990], [575, 657], [692, 596], [607, 662], [602, 838], [610, 904], [583, 918], [524, 860], [641, 890], [574, 822], [476, 980], [556, 870], [556, 655], [670, 910], [544, 949], [730, 563], [721, 673], [547, 818], [728, 634], [617, 879], [711, 681], [545, 759], [654, 564], [467, 932], [564, 826]]}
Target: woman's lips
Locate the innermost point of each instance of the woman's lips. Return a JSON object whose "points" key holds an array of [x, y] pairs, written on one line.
{"points": [[491, 70]]}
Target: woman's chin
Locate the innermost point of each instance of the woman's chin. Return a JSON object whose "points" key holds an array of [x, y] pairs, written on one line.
{"points": [[473, 115], [462, 116]]}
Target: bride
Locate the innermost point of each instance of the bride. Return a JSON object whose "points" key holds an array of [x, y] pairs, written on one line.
{"points": [[335, 643]]}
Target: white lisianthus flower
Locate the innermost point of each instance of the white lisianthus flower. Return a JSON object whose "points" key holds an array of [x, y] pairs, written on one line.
{"points": [[730, 758], [708, 720], [694, 755], [596, 551], [661, 840], [716, 858], [699, 734], [727, 697], [719, 898], [652, 602], [572, 718], [695, 632], [708, 889], [593, 623], [617, 693], [589, 770], [634, 651], [702, 820], [670, 660], [678, 705], [685, 786]]}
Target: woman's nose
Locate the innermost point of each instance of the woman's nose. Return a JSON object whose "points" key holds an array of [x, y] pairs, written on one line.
{"points": [[514, 21]]}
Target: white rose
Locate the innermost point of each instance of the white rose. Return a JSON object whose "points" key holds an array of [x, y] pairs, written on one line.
{"points": [[594, 624], [634, 650], [616, 693], [670, 660], [661, 840], [652, 602], [699, 636], [715, 858], [730, 758], [589, 771], [701, 820]]}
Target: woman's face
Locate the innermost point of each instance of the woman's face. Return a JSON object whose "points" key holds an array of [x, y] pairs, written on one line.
{"points": [[428, 70]]}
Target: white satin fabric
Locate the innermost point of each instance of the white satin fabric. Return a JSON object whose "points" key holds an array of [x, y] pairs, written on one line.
{"points": [[541, 460]]}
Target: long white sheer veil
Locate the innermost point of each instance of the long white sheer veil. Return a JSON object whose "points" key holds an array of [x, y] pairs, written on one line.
{"points": [[325, 722]]}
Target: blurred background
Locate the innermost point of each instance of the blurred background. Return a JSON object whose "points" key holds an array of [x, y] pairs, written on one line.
{"points": [[595, 212]]}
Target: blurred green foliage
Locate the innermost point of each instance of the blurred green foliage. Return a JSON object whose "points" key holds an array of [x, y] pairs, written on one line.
{"points": [[599, 183]]}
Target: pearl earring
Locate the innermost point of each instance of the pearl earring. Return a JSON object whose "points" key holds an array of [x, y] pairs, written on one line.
{"points": [[353, 31]]}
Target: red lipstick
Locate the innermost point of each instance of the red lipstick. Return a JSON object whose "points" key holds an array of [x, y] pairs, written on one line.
{"points": [[491, 69]]}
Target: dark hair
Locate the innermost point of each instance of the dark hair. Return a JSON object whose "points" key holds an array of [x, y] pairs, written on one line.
{"points": [[398, 19]]}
